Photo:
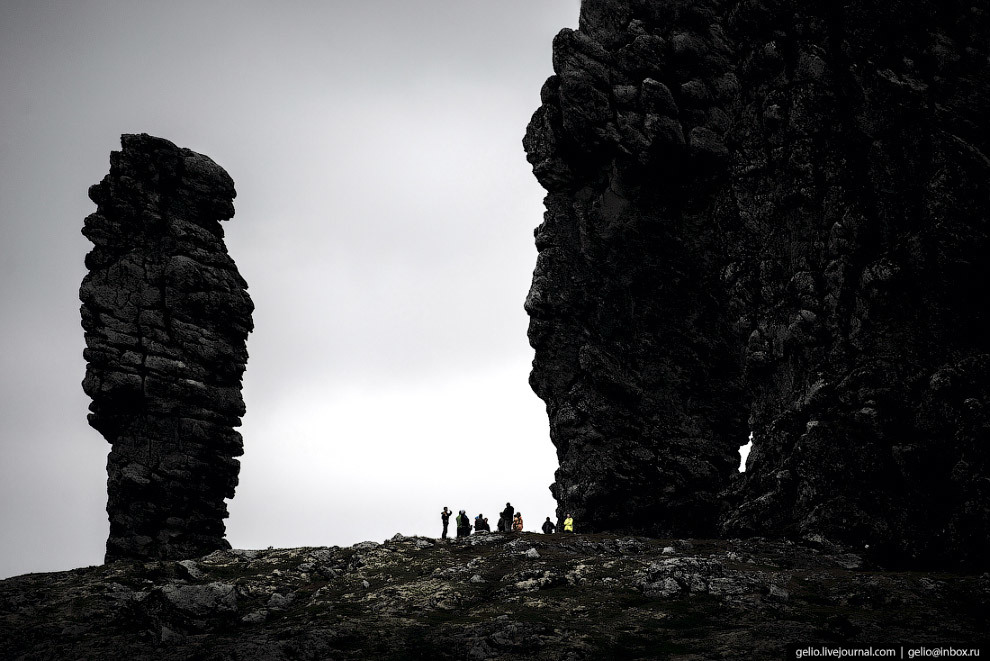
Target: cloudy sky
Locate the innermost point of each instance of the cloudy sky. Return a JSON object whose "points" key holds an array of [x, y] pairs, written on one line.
{"points": [[384, 224]]}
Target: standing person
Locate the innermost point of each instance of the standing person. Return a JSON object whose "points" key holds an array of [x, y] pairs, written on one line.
{"points": [[445, 517], [548, 527], [480, 523], [568, 523], [463, 524], [517, 523], [506, 520]]}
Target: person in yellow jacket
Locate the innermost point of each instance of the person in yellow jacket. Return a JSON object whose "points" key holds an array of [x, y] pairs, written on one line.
{"points": [[517, 522], [568, 524]]}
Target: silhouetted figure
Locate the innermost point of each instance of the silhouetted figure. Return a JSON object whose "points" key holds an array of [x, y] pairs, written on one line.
{"points": [[445, 517], [481, 523], [548, 527], [463, 524], [505, 523]]}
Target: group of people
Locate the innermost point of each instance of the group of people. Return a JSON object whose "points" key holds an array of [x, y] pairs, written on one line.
{"points": [[549, 527], [508, 521]]}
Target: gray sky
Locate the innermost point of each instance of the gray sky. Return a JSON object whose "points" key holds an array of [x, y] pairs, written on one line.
{"points": [[384, 224]]}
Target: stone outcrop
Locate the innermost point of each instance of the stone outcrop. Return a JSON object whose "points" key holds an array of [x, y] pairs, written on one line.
{"points": [[166, 316], [490, 596], [769, 216], [634, 350]]}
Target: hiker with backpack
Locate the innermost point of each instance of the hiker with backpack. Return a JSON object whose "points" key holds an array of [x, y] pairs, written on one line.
{"points": [[548, 527], [463, 524]]}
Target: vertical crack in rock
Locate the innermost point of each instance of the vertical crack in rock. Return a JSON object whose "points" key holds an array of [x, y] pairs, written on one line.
{"points": [[774, 211], [166, 316]]}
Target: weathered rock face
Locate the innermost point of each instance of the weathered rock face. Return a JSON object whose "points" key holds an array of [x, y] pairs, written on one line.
{"points": [[166, 316], [632, 331], [770, 209], [867, 357]]}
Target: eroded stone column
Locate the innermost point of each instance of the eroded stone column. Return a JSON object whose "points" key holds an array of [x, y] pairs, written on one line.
{"points": [[166, 316], [773, 210], [636, 357]]}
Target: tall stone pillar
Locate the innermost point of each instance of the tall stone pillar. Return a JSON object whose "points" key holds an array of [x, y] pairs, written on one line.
{"points": [[636, 356], [769, 216], [166, 316]]}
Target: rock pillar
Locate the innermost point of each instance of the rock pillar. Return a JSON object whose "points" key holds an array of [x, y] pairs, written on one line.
{"points": [[166, 316], [769, 216]]}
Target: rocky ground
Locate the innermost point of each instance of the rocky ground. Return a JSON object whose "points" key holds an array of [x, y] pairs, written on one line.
{"points": [[490, 596]]}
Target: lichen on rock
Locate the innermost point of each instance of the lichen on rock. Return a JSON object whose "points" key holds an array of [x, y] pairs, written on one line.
{"points": [[166, 316], [585, 597]]}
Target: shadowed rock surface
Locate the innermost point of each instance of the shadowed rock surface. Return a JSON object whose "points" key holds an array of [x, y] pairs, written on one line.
{"points": [[772, 210], [635, 355], [166, 316], [489, 596]]}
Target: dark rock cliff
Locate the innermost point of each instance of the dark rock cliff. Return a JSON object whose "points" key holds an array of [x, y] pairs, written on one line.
{"points": [[166, 316], [769, 216], [633, 334]]}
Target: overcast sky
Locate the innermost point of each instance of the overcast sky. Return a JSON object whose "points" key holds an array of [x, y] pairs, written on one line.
{"points": [[384, 223]]}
